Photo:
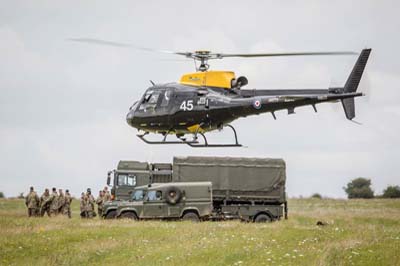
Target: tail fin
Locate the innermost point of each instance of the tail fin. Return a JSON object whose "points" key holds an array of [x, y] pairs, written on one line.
{"points": [[352, 83], [349, 108]]}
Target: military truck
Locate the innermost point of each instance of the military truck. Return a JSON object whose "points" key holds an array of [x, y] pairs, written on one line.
{"points": [[251, 189], [183, 200]]}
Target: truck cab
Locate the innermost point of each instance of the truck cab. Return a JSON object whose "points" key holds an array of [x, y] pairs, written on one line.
{"points": [[130, 174], [183, 200]]}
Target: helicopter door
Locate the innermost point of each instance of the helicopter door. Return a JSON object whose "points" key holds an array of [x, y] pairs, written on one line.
{"points": [[166, 100]]}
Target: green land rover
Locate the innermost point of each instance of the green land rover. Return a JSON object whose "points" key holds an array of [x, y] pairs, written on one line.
{"points": [[177, 200]]}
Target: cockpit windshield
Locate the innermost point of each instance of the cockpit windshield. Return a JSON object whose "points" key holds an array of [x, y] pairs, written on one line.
{"points": [[134, 106], [153, 99], [149, 100]]}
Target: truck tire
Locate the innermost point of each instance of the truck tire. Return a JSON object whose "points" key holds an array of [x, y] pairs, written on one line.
{"points": [[173, 195], [262, 218], [128, 215], [191, 216], [111, 214]]}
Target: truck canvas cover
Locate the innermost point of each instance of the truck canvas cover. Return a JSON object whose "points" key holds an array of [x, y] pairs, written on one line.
{"points": [[258, 179]]}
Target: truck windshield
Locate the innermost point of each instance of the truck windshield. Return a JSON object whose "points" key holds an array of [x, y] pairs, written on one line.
{"points": [[138, 195], [126, 180]]}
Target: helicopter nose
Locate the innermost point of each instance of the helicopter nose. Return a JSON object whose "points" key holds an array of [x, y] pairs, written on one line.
{"points": [[129, 118]]}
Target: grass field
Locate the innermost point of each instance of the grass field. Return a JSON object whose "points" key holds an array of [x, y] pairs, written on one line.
{"points": [[360, 232]]}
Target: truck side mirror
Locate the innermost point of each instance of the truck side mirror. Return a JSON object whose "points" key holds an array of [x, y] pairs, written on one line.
{"points": [[108, 178]]}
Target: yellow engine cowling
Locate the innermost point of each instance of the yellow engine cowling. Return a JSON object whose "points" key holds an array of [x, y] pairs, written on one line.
{"points": [[220, 79]]}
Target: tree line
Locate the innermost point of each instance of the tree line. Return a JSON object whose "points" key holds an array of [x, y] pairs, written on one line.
{"points": [[361, 188]]}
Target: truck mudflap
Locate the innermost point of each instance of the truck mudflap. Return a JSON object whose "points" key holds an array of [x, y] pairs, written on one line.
{"points": [[286, 210]]}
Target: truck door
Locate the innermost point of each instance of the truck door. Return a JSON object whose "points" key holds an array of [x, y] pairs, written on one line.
{"points": [[154, 206], [124, 185]]}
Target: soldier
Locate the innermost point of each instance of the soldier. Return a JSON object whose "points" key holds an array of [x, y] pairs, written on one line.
{"points": [[107, 195], [45, 203], [90, 204], [37, 206], [100, 202], [67, 203], [83, 205], [61, 201], [54, 202], [32, 202]]}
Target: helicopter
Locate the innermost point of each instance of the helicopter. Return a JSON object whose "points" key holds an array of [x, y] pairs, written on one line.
{"points": [[208, 100]]}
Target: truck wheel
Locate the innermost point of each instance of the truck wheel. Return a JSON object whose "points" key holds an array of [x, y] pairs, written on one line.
{"points": [[128, 215], [191, 216], [173, 195], [111, 214], [262, 218]]}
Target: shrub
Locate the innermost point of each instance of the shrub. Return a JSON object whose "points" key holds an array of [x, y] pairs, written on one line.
{"points": [[391, 192], [359, 188], [1, 195], [316, 196]]}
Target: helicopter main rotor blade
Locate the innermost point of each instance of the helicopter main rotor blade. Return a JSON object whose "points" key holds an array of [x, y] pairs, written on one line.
{"points": [[286, 54], [203, 56], [123, 45]]}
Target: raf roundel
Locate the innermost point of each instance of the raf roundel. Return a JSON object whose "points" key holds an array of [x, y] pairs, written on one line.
{"points": [[257, 104]]}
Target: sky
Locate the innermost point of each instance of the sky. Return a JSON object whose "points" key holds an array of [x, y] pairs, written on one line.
{"points": [[63, 104]]}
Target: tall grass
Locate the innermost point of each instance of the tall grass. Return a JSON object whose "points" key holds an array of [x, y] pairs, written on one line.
{"points": [[359, 232]]}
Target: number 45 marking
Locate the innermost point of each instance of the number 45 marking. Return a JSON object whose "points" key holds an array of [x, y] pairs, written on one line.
{"points": [[187, 105]]}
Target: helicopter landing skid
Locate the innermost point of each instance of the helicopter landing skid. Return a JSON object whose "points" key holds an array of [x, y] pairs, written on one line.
{"points": [[164, 141], [207, 145], [193, 143]]}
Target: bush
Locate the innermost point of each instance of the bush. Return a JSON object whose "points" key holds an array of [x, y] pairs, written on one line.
{"points": [[391, 192], [1, 195], [21, 195], [359, 188], [316, 196]]}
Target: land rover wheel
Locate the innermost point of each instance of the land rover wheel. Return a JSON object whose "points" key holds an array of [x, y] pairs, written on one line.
{"points": [[262, 218], [128, 215], [173, 195], [191, 216], [111, 214]]}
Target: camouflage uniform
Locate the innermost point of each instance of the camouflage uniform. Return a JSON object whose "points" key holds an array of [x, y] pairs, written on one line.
{"points": [[107, 195], [90, 201], [60, 201], [67, 204], [100, 203], [54, 203], [45, 203], [32, 202], [83, 205]]}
